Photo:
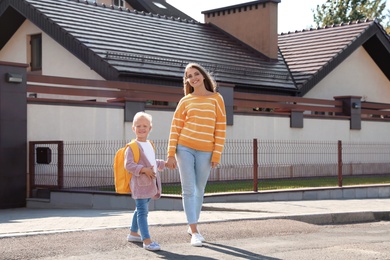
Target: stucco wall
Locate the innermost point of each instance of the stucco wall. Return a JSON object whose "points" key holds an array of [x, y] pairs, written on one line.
{"points": [[56, 61], [358, 75], [68, 123], [72, 123]]}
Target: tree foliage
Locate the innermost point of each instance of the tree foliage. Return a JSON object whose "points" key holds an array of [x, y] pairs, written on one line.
{"points": [[344, 11], [387, 26]]}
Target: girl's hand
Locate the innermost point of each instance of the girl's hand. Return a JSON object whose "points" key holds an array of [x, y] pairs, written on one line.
{"points": [[148, 171], [171, 163], [214, 165]]}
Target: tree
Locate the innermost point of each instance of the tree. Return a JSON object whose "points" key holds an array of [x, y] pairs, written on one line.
{"points": [[344, 11], [388, 22]]}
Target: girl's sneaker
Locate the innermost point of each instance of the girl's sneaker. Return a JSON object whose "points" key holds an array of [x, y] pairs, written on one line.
{"points": [[131, 238], [152, 246]]}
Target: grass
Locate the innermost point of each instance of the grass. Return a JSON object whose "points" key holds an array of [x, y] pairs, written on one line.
{"points": [[279, 184]]}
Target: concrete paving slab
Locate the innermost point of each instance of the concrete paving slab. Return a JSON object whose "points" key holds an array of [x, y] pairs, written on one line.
{"points": [[28, 221]]}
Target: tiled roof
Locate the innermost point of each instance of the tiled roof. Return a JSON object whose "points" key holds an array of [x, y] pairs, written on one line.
{"points": [[312, 54], [131, 45]]}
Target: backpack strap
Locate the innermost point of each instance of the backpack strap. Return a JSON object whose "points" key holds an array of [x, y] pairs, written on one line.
{"points": [[154, 147], [135, 149]]}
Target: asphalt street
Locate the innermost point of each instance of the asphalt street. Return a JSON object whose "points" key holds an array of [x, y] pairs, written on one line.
{"points": [[307, 229], [243, 239]]}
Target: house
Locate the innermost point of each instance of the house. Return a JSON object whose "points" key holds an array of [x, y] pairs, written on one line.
{"points": [[58, 43], [84, 40], [344, 59], [149, 44]]}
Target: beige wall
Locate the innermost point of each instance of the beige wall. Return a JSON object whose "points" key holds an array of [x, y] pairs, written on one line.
{"points": [[68, 123], [358, 75], [15, 49], [56, 61], [47, 122]]}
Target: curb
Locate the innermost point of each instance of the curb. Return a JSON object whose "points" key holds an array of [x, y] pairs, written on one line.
{"points": [[342, 218]]}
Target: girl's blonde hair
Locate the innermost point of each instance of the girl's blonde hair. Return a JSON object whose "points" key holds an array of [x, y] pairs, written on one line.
{"points": [[142, 114], [209, 82]]}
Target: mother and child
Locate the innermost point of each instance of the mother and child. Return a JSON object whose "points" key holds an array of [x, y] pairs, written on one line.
{"points": [[196, 141]]}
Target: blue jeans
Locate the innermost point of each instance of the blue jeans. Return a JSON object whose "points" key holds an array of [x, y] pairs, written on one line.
{"points": [[140, 218], [194, 168]]}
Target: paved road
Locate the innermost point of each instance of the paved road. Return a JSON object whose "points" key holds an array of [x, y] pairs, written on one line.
{"points": [[318, 229], [244, 239]]}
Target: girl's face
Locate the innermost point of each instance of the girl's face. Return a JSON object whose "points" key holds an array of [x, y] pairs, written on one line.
{"points": [[194, 77], [141, 128]]}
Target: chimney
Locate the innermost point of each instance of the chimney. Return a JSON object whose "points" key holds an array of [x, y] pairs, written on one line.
{"points": [[254, 23]]}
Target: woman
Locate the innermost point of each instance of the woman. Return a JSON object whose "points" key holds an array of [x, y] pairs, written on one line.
{"points": [[197, 138]]}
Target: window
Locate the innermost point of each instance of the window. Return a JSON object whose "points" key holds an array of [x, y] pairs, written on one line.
{"points": [[120, 3], [36, 52], [159, 5]]}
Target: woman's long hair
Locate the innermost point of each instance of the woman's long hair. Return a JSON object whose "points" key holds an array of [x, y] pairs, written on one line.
{"points": [[209, 82]]}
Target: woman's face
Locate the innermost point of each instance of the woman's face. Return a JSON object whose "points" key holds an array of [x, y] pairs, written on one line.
{"points": [[194, 77]]}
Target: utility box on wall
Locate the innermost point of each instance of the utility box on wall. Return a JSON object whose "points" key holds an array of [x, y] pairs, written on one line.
{"points": [[13, 135], [43, 155]]}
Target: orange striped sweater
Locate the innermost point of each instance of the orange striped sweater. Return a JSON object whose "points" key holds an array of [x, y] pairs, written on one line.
{"points": [[199, 122]]}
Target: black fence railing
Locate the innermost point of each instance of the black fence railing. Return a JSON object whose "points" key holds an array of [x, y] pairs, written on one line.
{"points": [[246, 165]]}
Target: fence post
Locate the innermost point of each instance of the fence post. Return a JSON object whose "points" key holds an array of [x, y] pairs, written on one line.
{"points": [[340, 162], [255, 166], [60, 165], [31, 168]]}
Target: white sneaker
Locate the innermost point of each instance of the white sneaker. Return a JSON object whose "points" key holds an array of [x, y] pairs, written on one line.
{"points": [[152, 246], [131, 238], [195, 239], [200, 235]]}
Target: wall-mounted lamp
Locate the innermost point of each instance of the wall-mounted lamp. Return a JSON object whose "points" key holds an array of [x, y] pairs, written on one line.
{"points": [[13, 78], [355, 105]]}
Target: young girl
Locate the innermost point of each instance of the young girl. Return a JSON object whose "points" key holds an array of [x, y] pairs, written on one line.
{"points": [[145, 183], [197, 139]]}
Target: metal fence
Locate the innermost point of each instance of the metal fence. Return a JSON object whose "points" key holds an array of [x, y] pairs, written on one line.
{"points": [[245, 164]]}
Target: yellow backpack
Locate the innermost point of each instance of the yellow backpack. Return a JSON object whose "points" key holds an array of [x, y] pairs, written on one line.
{"points": [[121, 176]]}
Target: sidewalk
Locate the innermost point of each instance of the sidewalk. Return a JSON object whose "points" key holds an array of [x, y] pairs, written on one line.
{"points": [[26, 221]]}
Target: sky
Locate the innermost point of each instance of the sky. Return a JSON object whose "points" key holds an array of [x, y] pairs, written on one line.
{"points": [[293, 14]]}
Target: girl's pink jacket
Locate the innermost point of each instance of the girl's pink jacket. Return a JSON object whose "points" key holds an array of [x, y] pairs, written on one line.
{"points": [[142, 187]]}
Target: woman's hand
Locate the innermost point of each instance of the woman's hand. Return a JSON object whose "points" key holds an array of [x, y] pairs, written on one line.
{"points": [[171, 163], [214, 164]]}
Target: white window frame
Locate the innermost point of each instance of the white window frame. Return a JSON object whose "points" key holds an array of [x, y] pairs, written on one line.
{"points": [[119, 3]]}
